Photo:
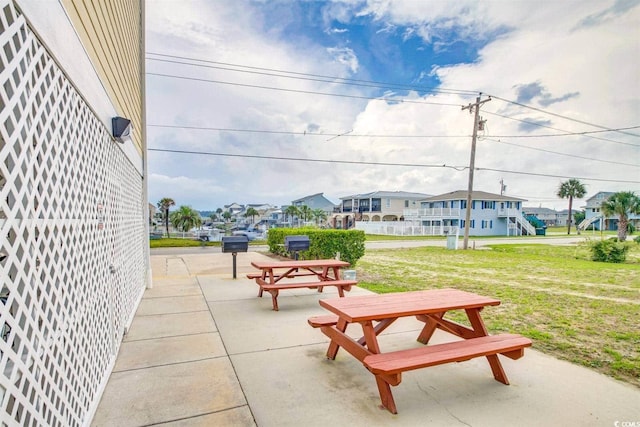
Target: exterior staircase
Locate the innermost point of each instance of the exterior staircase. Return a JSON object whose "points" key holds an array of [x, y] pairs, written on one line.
{"points": [[588, 221]]}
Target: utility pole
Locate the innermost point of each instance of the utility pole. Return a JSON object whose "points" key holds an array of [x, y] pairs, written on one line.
{"points": [[473, 108]]}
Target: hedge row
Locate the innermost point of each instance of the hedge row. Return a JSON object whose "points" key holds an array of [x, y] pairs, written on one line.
{"points": [[323, 244]]}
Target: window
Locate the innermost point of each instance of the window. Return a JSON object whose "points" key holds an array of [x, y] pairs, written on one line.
{"points": [[488, 205], [462, 222], [388, 203], [463, 204], [473, 204], [406, 203], [472, 224]]}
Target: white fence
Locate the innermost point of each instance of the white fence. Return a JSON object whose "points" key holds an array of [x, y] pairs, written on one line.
{"points": [[72, 236], [404, 228]]}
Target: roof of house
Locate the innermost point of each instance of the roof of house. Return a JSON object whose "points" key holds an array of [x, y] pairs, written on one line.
{"points": [[388, 195], [475, 195], [601, 195], [311, 197], [539, 211]]}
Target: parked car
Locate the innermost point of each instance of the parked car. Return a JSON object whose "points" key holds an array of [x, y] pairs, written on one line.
{"points": [[251, 233]]}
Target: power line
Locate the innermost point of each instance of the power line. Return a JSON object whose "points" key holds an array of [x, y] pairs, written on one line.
{"points": [[353, 162], [348, 134], [365, 135], [382, 85], [308, 92], [300, 159], [561, 154], [563, 117], [560, 130], [557, 176], [549, 135], [378, 98], [303, 133], [307, 76]]}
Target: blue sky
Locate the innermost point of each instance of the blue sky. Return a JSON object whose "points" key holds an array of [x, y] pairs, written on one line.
{"points": [[552, 68]]}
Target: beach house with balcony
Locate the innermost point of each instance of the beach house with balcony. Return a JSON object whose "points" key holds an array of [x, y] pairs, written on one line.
{"points": [[491, 215], [593, 218], [377, 206]]}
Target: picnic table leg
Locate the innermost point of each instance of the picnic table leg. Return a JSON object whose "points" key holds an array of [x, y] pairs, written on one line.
{"points": [[274, 298], [429, 328], [333, 346], [386, 398], [478, 326], [384, 388]]}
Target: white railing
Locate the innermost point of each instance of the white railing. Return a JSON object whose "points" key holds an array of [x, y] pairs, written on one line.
{"points": [[432, 213], [518, 225], [403, 228], [72, 241], [509, 212], [588, 221]]}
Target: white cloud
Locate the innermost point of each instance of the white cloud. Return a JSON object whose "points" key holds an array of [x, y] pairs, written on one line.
{"points": [[346, 56], [548, 49]]}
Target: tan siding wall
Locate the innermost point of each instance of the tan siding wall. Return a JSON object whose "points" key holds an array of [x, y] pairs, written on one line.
{"points": [[112, 32]]}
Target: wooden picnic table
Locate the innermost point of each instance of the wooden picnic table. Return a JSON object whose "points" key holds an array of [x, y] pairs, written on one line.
{"points": [[277, 275], [375, 313]]}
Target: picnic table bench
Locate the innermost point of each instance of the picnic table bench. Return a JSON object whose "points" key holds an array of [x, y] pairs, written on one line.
{"points": [[275, 276], [429, 307]]}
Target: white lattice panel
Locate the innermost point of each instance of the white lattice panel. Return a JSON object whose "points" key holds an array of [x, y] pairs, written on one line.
{"points": [[71, 239]]}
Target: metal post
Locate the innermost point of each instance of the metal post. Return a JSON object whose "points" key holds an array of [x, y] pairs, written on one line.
{"points": [[235, 254]]}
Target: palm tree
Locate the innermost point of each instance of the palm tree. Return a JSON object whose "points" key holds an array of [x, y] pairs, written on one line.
{"points": [[319, 215], [185, 218], [292, 211], [622, 204], [306, 213], [251, 212], [569, 190], [226, 215], [164, 204]]}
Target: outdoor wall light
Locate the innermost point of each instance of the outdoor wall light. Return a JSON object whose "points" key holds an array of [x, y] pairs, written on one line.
{"points": [[121, 129]]}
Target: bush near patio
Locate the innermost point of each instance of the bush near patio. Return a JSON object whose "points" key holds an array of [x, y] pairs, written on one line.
{"points": [[571, 307], [323, 244], [609, 250]]}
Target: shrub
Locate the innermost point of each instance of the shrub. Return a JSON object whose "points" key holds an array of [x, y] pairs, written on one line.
{"points": [[637, 240], [609, 251], [323, 244]]}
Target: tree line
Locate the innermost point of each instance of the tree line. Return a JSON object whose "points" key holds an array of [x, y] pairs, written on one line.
{"points": [[185, 218]]}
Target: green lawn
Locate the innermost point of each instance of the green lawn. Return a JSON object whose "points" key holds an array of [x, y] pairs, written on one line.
{"points": [[573, 308]]}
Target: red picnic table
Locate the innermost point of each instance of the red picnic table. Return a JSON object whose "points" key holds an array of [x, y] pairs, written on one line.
{"points": [[375, 313], [276, 275]]}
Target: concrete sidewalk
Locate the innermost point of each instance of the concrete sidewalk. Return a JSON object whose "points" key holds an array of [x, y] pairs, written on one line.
{"points": [[204, 350]]}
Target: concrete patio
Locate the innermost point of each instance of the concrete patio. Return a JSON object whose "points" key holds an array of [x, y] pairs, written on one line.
{"points": [[204, 350]]}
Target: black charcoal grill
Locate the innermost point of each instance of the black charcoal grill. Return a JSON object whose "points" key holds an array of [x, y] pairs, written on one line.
{"points": [[294, 244], [233, 245]]}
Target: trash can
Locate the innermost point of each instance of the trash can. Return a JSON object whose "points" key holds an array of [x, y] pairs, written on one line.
{"points": [[452, 241], [349, 275]]}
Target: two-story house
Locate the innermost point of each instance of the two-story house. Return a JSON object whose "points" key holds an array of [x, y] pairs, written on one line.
{"points": [[491, 215], [546, 215], [316, 201], [376, 206], [593, 217]]}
